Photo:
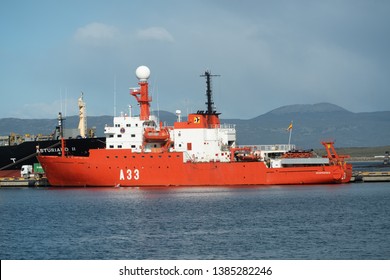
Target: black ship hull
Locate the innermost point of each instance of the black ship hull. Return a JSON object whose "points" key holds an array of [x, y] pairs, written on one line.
{"points": [[13, 157]]}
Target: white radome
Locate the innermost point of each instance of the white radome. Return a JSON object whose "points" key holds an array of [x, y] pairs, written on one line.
{"points": [[142, 73]]}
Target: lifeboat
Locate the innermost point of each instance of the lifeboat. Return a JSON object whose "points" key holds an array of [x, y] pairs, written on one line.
{"points": [[245, 154], [298, 154], [247, 157], [152, 135]]}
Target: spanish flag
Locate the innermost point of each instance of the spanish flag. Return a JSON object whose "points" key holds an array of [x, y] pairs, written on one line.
{"points": [[290, 127]]}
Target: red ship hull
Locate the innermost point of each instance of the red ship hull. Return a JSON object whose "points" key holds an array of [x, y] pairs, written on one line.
{"points": [[124, 168], [198, 151]]}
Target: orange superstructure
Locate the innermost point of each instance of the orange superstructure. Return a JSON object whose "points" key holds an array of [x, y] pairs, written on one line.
{"points": [[199, 151]]}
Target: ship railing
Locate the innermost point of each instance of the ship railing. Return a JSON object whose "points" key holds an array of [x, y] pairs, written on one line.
{"points": [[271, 148], [223, 125]]}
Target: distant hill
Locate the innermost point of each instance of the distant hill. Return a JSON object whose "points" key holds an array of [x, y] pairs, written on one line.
{"points": [[47, 126], [308, 108], [311, 124]]}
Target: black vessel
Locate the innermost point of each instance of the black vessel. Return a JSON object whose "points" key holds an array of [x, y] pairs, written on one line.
{"points": [[16, 150], [13, 157]]}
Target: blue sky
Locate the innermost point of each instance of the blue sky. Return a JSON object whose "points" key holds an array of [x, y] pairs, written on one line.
{"points": [[268, 53]]}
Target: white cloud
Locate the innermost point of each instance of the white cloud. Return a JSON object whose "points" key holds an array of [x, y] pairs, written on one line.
{"points": [[96, 33], [155, 33]]}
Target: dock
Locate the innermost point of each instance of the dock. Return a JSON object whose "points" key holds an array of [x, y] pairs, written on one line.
{"points": [[22, 182], [371, 176]]}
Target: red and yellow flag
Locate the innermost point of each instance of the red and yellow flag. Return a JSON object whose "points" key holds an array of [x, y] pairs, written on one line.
{"points": [[290, 127]]}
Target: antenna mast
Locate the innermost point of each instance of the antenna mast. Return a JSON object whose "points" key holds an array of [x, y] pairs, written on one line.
{"points": [[141, 94], [210, 104], [115, 95]]}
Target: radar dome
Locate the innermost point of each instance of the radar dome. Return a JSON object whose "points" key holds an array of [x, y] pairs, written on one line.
{"points": [[142, 73]]}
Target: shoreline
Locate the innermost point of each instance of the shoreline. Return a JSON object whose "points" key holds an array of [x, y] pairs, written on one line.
{"points": [[364, 159]]}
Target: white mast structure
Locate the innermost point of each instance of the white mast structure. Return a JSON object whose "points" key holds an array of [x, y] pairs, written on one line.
{"points": [[82, 117]]}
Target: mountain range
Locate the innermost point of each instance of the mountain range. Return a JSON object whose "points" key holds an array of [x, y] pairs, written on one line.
{"points": [[311, 124]]}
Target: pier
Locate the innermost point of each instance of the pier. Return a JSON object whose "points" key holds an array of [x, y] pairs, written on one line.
{"points": [[373, 170], [22, 182], [370, 176]]}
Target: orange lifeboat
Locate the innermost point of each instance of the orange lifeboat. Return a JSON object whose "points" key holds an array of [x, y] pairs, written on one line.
{"points": [[152, 135], [247, 157], [298, 154], [244, 154]]}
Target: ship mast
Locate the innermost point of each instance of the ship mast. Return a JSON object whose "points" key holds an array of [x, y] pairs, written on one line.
{"points": [[141, 94], [61, 128], [209, 94]]}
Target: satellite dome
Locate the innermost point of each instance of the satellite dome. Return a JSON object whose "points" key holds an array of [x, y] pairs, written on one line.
{"points": [[142, 73]]}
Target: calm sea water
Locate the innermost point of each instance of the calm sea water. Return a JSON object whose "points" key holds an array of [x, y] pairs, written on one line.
{"points": [[297, 222]]}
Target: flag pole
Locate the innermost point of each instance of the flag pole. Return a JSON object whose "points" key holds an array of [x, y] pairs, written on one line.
{"points": [[289, 137]]}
